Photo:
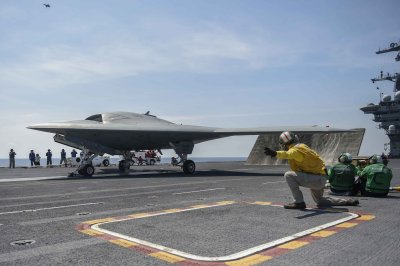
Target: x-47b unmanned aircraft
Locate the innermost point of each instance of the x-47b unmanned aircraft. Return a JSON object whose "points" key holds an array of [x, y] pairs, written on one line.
{"points": [[119, 133]]}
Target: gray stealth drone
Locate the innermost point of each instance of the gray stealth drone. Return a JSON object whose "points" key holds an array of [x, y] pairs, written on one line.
{"points": [[119, 133]]}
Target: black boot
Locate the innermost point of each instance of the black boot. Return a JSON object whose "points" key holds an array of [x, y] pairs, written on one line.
{"points": [[295, 205], [352, 202]]}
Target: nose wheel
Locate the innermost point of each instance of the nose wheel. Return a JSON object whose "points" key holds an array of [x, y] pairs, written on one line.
{"points": [[87, 170], [189, 167]]}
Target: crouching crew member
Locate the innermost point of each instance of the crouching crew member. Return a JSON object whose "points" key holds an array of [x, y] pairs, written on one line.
{"points": [[37, 159], [308, 170], [342, 176], [375, 178]]}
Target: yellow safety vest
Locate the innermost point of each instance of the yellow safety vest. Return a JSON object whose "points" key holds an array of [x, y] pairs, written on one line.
{"points": [[303, 159]]}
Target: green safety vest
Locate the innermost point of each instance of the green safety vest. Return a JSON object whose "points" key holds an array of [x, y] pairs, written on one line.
{"points": [[378, 178], [342, 176]]}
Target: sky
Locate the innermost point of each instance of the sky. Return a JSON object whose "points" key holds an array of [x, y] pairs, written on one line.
{"points": [[222, 63]]}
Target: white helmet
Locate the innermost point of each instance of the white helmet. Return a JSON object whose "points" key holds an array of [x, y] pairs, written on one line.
{"points": [[345, 158], [287, 138]]}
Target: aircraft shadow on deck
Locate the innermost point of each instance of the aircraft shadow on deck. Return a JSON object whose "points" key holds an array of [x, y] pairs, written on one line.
{"points": [[111, 174]]}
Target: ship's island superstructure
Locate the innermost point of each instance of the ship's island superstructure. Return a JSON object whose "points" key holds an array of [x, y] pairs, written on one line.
{"points": [[387, 111]]}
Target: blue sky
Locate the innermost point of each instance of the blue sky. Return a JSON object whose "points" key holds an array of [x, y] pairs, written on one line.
{"points": [[212, 63]]}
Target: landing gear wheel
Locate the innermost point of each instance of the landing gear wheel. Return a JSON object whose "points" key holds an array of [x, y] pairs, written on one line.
{"points": [[87, 170], [152, 162], [106, 162], [189, 167], [123, 166]]}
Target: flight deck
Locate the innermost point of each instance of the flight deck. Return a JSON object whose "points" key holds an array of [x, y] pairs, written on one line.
{"points": [[227, 213]]}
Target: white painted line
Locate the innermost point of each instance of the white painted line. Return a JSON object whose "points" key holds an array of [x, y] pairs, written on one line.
{"points": [[234, 256], [273, 182], [22, 179], [196, 191], [52, 208]]}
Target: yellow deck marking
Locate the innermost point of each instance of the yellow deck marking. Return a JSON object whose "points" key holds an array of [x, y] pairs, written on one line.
{"points": [[366, 217], [124, 243], [99, 221], [172, 210], [226, 202], [346, 225], [91, 232], [167, 257], [140, 215], [251, 260], [200, 206], [294, 244], [323, 233], [262, 203]]}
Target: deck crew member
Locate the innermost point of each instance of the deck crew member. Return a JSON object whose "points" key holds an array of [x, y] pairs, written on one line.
{"points": [[32, 158], [308, 170], [12, 158], [375, 178], [342, 176], [37, 159], [63, 158], [49, 155]]}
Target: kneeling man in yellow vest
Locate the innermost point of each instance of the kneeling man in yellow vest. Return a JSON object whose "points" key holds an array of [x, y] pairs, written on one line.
{"points": [[308, 170]]}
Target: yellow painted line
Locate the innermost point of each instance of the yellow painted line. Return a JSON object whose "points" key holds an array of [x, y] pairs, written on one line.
{"points": [[366, 218], [167, 257], [124, 243], [91, 232], [200, 206], [172, 210], [226, 202], [251, 260], [140, 215], [346, 225], [294, 244], [324, 233], [99, 221], [262, 203]]}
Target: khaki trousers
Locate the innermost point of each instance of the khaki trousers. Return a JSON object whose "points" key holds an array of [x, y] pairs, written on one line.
{"points": [[316, 184]]}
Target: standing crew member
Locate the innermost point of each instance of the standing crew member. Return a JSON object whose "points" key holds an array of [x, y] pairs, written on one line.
{"points": [[12, 158], [63, 158], [342, 176], [308, 170], [73, 153], [375, 178], [32, 158], [49, 155]]}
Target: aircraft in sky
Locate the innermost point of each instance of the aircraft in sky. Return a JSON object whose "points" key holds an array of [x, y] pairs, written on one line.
{"points": [[46, 5], [119, 133]]}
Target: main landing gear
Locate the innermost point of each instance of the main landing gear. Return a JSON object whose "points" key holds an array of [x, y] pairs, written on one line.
{"points": [[85, 168], [188, 166], [126, 163]]}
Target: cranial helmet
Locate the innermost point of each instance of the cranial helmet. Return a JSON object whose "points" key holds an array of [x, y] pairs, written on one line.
{"points": [[287, 138], [375, 159], [345, 158]]}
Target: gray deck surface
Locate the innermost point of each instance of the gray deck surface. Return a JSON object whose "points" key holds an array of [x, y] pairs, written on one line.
{"points": [[49, 210]]}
